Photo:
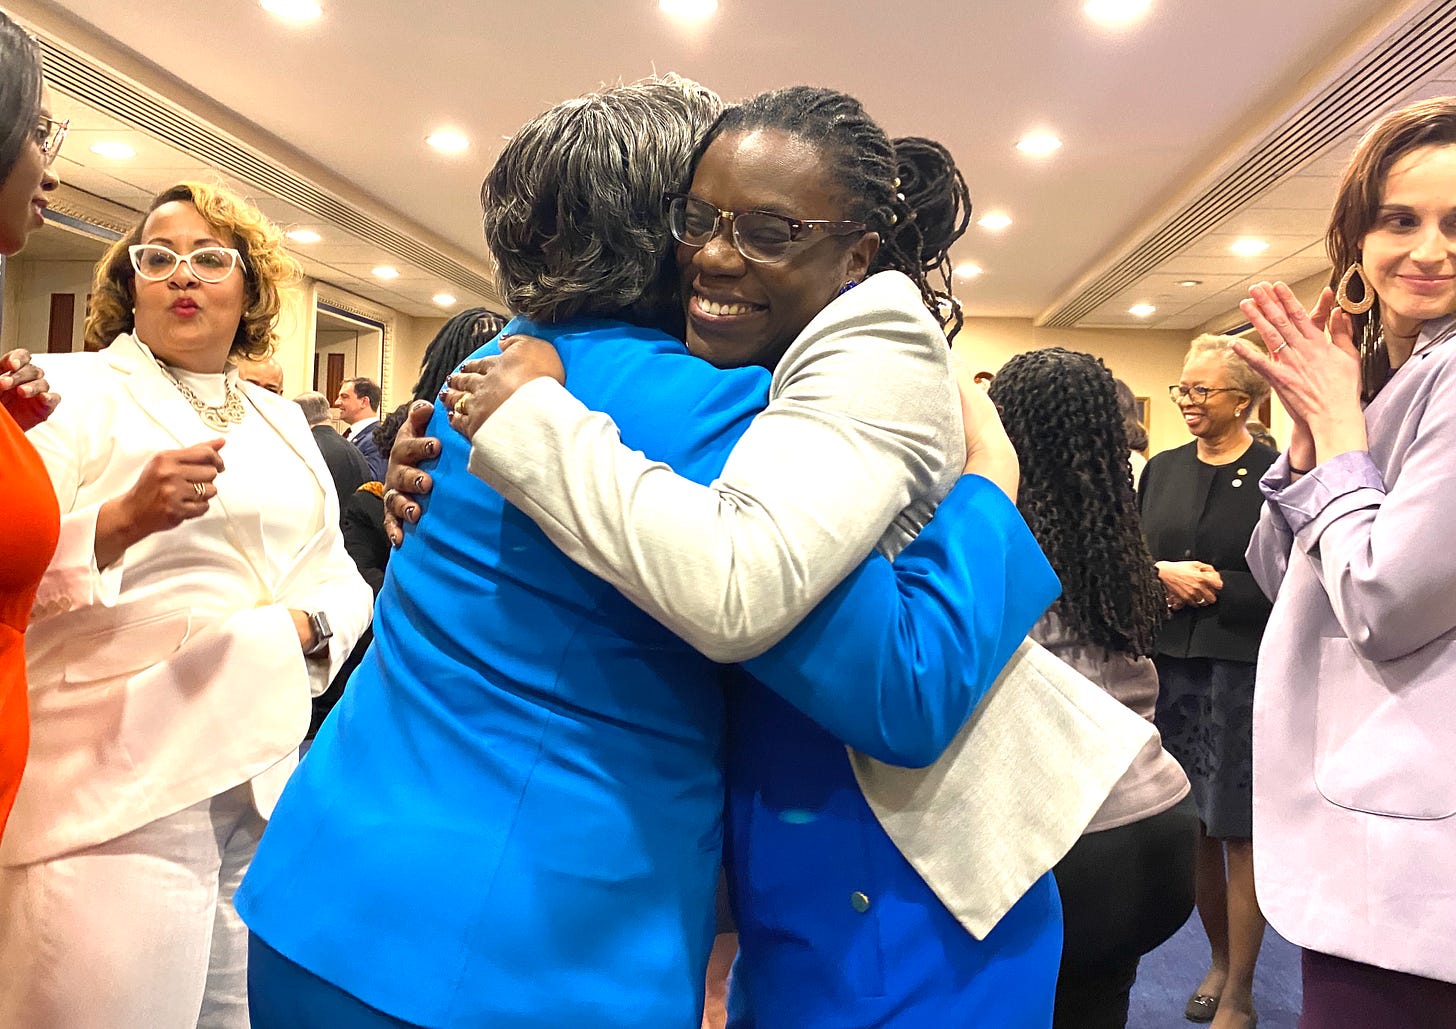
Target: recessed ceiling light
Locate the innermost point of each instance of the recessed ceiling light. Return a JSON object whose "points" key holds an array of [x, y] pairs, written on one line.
{"points": [[1116, 12], [303, 236], [688, 8], [968, 269], [1141, 310], [995, 222], [443, 299], [1249, 247], [292, 10], [1187, 283], [113, 149], [1038, 144], [385, 271], [447, 141]]}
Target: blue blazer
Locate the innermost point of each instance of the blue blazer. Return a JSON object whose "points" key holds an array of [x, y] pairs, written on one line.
{"points": [[513, 817], [364, 443], [836, 929]]}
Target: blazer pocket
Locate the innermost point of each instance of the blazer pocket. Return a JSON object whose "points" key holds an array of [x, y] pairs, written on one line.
{"points": [[129, 648], [1383, 730]]}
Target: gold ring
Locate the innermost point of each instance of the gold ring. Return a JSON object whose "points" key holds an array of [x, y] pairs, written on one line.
{"points": [[459, 407], [199, 489]]}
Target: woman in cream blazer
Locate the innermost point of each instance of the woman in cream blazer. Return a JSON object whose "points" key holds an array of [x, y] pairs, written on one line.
{"points": [[199, 594]]}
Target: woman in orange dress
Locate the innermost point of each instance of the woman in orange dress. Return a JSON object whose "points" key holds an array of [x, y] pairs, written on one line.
{"points": [[29, 139]]}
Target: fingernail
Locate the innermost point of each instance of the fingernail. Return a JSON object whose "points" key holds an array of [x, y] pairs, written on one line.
{"points": [[419, 481], [432, 448], [412, 511]]}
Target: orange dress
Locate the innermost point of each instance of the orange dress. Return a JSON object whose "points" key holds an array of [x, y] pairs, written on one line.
{"points": [[31, 523]]}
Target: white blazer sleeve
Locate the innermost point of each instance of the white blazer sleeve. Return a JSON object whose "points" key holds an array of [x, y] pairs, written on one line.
{"points": [[72, 580], [862, 419]]}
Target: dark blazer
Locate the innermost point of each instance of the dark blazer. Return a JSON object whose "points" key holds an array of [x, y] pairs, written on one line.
{"points": [[1201, 512], [346, 465], [364, 441]]}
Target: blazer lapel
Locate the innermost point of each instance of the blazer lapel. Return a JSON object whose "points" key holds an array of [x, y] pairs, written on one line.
{"points": [[155, 396], [312, 459], [163, 403]]}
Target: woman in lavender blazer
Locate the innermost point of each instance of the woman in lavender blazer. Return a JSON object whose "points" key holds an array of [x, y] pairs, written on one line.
{"points": [[1354, 796]]}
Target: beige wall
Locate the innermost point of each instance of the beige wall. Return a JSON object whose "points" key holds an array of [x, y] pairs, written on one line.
{"points": [[1146, 360], [294, 350], [413, 336], [28, 288]]}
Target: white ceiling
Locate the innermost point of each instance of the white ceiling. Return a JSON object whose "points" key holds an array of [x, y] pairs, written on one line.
{"points": [[1146, 114]]}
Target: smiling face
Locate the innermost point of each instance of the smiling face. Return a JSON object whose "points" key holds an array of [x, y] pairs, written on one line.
{"points": [[23, 193], [187, 322], [1221, 412], [740, 312], [1409, 254], [351, 407]]}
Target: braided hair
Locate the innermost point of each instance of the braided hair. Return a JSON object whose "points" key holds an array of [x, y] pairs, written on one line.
{"points": [[457, 339], [1060, 410], [908, 190]]}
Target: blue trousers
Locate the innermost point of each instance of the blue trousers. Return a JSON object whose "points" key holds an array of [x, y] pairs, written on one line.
{"points": [[284, 995]]}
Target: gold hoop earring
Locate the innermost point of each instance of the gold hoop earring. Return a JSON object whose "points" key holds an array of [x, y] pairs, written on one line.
{"points": [[1342, 294]]}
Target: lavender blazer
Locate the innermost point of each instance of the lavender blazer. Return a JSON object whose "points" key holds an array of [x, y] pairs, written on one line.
{"points": [[1355, 709]]}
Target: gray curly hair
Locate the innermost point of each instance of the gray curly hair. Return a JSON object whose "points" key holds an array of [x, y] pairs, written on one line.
{"points": [[573, 207]]}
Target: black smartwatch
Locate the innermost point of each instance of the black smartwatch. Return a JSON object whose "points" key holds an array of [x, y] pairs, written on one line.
{"points": [[318, 623]]}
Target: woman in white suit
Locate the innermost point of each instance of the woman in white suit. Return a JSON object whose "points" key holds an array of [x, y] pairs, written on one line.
{"points": [[199, 594]]}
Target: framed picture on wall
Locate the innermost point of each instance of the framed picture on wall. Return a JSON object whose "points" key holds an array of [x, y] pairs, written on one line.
{"points": [[1144, 413]]}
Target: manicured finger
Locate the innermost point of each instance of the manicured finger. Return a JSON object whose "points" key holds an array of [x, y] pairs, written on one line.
{"points": [[467, 382]]}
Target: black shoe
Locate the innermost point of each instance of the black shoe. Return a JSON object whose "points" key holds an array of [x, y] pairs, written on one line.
{"points": [[1201, 1007]]}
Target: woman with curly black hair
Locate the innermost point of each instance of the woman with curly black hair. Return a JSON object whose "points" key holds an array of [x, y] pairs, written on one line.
{"points": [[1128, 883]]}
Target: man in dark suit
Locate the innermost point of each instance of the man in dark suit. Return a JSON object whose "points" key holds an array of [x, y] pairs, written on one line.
{"points": [[346, 464], [358, 404]]}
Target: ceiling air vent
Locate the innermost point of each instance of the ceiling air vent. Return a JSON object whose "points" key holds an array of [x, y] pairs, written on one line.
{"points": [[103, 90], [1385, 75]]}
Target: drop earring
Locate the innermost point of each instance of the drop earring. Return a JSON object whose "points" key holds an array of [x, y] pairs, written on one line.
{"points": [[1342, 294]]}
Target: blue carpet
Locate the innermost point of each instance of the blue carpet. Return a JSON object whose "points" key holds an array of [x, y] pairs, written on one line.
{"points": [[1168, 975]]}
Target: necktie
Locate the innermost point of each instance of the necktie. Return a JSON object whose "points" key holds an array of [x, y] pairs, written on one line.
{"points": [[348, 432]]}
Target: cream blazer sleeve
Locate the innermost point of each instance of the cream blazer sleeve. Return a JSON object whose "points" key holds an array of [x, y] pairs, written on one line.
{"points": [[862, 432]]}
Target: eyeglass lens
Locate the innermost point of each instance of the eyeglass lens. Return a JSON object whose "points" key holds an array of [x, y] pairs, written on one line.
{"points": [[50, 134], [210, 264], [757, 235]]}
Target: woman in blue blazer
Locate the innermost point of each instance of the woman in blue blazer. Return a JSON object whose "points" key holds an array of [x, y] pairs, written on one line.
{"points": [[837, 927], [513, 817]]}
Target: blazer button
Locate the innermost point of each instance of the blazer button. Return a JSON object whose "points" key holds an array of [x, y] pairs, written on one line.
{"points": [[859, 901], [1187, 553]]}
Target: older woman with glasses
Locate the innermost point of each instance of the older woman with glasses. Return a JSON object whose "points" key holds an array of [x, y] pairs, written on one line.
{"points": [[200, 561], [29, 141], [1199, 505]]}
